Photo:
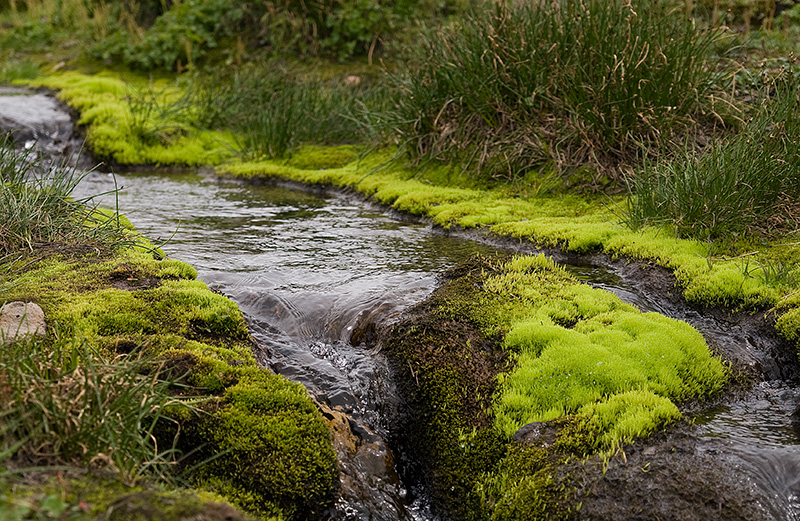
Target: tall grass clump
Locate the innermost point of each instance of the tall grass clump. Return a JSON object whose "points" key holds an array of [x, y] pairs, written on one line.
{"points": [[274, 111], [36, 207], [749, 183], [518, 84], [67, 403]]}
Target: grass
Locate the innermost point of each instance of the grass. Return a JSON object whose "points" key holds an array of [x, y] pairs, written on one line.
{"points": [[747, 184], [273, 111], [36, 207], [65, 403], [517, 86]]}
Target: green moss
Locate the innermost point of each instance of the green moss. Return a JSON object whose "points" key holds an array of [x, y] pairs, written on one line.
{"points": [[606, 425], [524, 487], [579, 345], [262, 440], [147, 132], [554, 349], [320, 158], [80, 495]]}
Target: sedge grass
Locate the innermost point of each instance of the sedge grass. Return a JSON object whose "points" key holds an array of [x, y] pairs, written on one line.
{"points": [[274, 111], [36, 207], [561, 82], [746, 184], [63, 402]]}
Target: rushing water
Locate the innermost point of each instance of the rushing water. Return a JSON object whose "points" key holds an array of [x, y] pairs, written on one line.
{"points": [[314, 271]]}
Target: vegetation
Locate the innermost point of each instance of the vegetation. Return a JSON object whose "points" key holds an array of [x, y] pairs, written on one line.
{"points": [[753, 175], [508, 342], [504, 116], [36, 208], [522, 85], [145, 373]]}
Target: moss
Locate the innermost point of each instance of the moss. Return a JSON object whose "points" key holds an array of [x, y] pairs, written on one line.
{"points": [[263, 442], [77, 494], [321, 158], [508, 341], [525, 486], [125, 133], [606, 425], [578, 345], [265, 418]]}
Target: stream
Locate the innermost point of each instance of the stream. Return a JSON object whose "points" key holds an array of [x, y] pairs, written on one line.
{"points": [[316, 271]]}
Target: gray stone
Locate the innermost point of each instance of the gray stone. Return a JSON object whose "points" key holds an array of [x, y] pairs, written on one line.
{"points": [[20, 319]]}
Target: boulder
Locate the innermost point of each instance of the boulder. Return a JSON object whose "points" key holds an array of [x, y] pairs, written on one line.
{"points": [[20, 319]]}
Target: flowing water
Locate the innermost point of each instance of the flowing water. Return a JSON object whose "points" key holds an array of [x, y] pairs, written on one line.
{"points": [[316, 271]]}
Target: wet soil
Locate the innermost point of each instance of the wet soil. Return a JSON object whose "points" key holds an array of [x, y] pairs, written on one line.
{"points": [[672, 476]]}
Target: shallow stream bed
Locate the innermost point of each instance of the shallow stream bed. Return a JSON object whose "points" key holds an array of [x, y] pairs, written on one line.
{"points": [[315, 272]]}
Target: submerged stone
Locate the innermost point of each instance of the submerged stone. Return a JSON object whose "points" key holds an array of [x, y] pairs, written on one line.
{"points": [[19, 320]]}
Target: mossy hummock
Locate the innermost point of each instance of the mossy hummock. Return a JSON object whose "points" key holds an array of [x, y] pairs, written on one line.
{"points": [[256, 438], [509, 342]]}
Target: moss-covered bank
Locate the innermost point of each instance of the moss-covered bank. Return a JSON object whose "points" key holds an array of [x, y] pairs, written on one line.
{"points": [[250, 436], [507, 344], [750, 274]]}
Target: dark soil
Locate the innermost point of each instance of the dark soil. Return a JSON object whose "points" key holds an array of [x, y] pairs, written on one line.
{"points": [[673, 476]]}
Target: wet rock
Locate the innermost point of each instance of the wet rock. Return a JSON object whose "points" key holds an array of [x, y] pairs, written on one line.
{"points": [[38, 119], [539, 434], [795, 419], [20, 319], [675, 477], [369, 484]]}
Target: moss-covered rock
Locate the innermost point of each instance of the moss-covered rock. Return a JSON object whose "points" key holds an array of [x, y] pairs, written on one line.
{"points": [[75, 494], [507, 342]]}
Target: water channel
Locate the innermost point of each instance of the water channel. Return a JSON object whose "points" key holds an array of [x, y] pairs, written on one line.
{"points": [[314, 271]]}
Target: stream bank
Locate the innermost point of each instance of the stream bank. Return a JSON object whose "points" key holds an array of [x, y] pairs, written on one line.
{"points": [[747, 347]]}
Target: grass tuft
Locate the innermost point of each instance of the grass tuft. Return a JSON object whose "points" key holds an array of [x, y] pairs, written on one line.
{"points": [[748, 184], [67, 403], [36, 207], [519, 85]]}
